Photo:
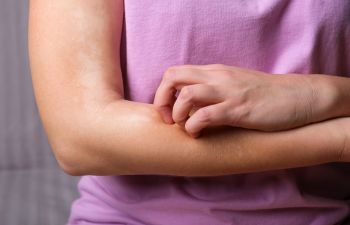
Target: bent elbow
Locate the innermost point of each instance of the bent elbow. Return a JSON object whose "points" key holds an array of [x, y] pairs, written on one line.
{"points": [[76, 160], [70, 170], [71, 159]]}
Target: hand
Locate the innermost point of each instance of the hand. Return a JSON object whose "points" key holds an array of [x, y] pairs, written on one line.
{"points": [[226, 95]]}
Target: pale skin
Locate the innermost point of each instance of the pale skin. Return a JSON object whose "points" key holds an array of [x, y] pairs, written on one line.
{"points": [[74, 46], [238, 97]]}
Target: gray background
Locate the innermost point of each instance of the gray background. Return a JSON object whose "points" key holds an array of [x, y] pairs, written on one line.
{"points": [[33, 190]]}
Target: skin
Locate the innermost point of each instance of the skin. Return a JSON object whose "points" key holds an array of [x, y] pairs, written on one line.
{"points": [[92, 129], [225, 95]]}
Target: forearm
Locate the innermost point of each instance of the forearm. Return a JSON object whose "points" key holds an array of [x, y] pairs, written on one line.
{"points": [[78, 87], [329, 98], [136, 141]]}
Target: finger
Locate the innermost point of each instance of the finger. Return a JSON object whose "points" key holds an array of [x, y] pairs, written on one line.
{"points": [[212, 115], [174, 79], [198, 95], [166, 110]]}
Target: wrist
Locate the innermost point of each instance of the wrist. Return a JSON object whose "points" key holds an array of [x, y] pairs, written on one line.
{"points": [[327, 97], [341, 133], [341, 86]]}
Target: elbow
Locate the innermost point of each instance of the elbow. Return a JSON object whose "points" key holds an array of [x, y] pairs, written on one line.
{"points": [[71, 170], [80, 144], [79, 160], [71, 158]]}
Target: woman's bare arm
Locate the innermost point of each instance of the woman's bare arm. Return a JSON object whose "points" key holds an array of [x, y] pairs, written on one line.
{"points": [[74, 55]]}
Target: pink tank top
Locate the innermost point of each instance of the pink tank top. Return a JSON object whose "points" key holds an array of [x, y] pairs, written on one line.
{"points": [[276, 36]]}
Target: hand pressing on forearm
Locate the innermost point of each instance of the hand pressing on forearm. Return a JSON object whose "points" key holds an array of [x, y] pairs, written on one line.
{"points": [[226, 95], [93, 130]]}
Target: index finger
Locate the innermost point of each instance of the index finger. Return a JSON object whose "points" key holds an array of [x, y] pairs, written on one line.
{"points": [[173, 80]]}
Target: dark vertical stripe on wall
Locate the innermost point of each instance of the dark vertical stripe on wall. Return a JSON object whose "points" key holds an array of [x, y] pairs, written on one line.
{"points": [[33, 190]]}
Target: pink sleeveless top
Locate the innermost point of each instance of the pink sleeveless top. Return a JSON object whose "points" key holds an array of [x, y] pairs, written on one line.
{"points": [[299, 36]]}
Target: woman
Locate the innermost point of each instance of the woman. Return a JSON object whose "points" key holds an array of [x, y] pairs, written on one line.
{"points": [[248, 140]]}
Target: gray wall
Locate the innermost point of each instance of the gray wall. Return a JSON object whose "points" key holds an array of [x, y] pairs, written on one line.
{"points": [[33, 190]]}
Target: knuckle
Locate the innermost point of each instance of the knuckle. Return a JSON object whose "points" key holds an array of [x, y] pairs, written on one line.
{"points": [[169, 74], [187, 93], [204, 115], [239, 115]]}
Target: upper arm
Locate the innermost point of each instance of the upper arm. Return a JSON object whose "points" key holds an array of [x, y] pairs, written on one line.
{"points": [[74, 46], [74, 49]]}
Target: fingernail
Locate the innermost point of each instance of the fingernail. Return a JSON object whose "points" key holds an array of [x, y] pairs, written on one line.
{"points": [[166, 114]]}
